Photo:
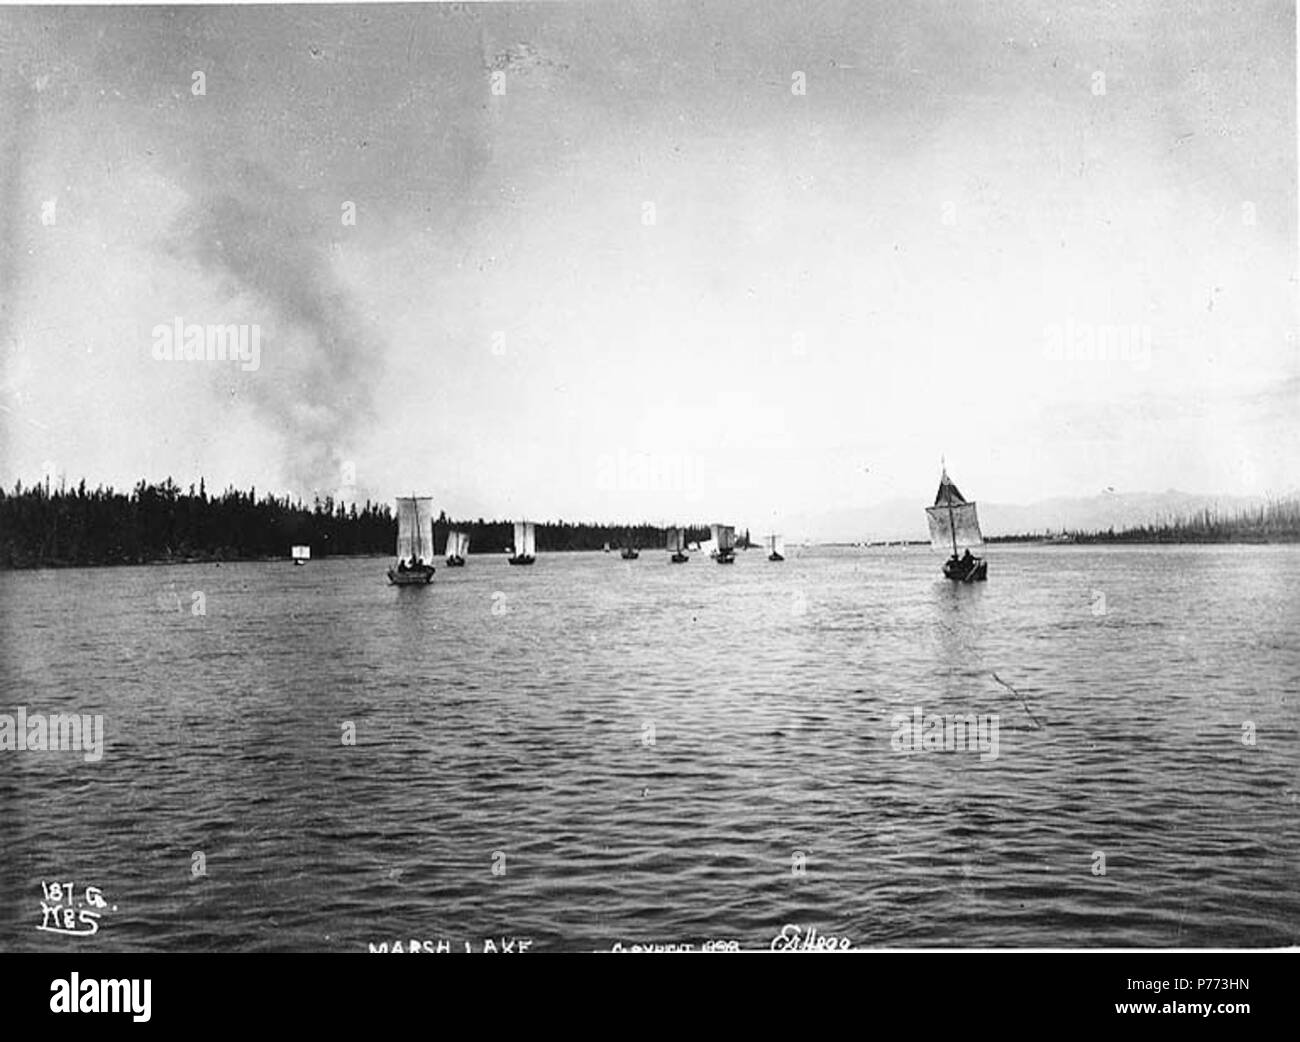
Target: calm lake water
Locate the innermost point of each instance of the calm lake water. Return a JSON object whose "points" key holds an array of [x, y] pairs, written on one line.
{"points": [[591, 751]]}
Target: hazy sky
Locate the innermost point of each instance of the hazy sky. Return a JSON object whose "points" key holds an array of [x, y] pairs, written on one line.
{"points": [[652, 279]]}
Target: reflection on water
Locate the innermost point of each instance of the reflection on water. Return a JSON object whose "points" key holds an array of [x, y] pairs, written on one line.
{"points": [[594, 751]]}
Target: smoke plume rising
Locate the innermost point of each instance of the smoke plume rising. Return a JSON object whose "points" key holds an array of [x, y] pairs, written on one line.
{"points": [[319, 358]]}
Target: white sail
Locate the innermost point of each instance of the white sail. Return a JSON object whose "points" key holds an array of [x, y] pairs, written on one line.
{"points": [[424, 516], [954, 527], [954, 524], [775, 544], [525, 539], [675, 540], [457, 544], [302, 553], [406, 518], [414, 528], [724, 536]]}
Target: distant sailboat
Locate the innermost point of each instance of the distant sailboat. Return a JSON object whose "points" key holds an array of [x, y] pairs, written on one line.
{"points": [[676, 544], [775, 548], [724, 539], [954, 525], [301, 554], [607, 548], [414, 542], [629, 552], [457, 549], [525, 548]]}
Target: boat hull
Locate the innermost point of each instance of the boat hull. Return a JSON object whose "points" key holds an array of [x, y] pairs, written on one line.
{"points": [[522, 560], [679, 558], [455, 562], [299, 563], [975, 572], [630, 555], [725, 557], [420, 576], [775, 557]]}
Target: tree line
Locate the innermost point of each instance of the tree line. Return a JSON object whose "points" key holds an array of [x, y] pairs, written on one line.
{"points": [[1277, 521], [43, 527]]}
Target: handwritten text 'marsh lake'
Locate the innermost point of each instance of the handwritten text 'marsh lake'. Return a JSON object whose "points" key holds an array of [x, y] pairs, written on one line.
{"points": [[56, 733], [416, 946]]}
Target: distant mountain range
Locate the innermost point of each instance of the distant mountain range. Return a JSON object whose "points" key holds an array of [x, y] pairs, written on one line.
{"points": [[902, 519]]}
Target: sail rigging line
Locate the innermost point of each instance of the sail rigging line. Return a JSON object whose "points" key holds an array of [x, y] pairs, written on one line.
{"points": [[1018, 695]]}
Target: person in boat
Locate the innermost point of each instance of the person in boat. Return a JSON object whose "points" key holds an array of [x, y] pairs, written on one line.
{"points": [[401, 565], [967, 559]]}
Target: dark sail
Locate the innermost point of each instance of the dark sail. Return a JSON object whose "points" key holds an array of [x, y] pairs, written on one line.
{"points": [[948, 493]]}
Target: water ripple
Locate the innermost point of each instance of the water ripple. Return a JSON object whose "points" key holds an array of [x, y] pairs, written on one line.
{"points": [[590, 751]]}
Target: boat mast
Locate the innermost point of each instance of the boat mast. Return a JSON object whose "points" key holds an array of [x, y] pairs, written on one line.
{"points": [[952, 518], [419, 546]]}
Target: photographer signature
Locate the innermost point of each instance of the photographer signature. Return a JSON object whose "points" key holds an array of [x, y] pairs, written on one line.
{"points": [[793, 939]]}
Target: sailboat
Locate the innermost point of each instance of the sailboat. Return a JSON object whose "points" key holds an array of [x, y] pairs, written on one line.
{"points": [[414, 542], [301, 554], [525, 548], [724, 539], [629, 552], [775, 548], [457, 548], [606, 547], [954, 525], [675, 546]]}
